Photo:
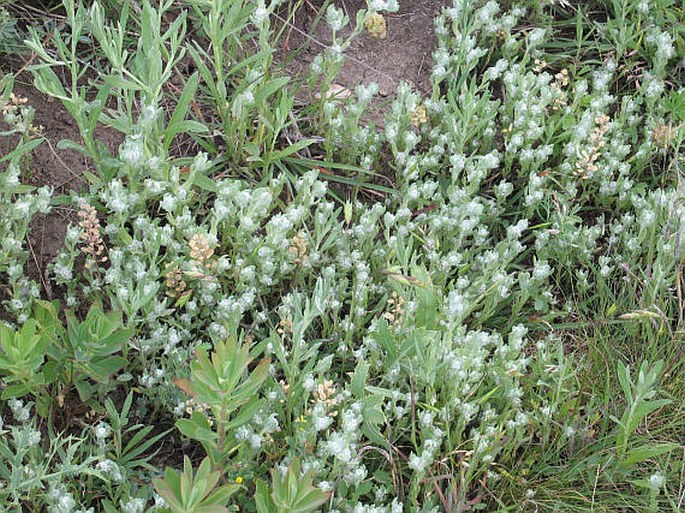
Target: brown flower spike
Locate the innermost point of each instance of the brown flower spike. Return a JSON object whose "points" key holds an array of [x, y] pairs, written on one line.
{"points": [[92, 244], [200, 250], [174, 281], [419, 116], [298, 249], [586, 164]]}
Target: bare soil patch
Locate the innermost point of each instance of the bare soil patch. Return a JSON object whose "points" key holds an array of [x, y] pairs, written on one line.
{"points": [[404, 55]]}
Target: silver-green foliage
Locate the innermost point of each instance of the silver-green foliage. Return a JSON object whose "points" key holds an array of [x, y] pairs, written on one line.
{"points": [[415, 341]]}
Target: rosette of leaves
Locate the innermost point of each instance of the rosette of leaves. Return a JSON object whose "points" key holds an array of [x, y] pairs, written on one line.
{"points": [[224, 394], [194, 492], [290, 492]]}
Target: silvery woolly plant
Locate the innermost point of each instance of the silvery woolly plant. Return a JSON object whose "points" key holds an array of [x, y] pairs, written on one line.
{"points": [[19, 203], [408, 348]]}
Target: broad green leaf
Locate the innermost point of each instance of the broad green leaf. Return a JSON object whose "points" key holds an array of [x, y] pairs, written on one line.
{"points": [[645, 452], [176, 123], [104, 367], [359, 378], [197, 428], [286, 152]]}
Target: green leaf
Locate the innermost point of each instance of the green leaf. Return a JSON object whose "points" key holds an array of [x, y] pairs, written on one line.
{"points": [[211, 508], [245, 414], [22, 149], [644, 408], [294, 494], [14, 391], [624, 380], [263, 500], [205, 183], [223, 494], [270, 88], [137, 447], [188, 492], [84, 389], [69, 144], [645, 452], [117, 82], [359, 378], [286, 152], [197, 428], [176, 123], [95, 109], [374, 434], [47, 81], [110, 508], [104, 367], [115, 341]]}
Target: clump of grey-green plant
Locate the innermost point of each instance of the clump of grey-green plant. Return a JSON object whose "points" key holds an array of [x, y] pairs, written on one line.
{"points": [[438, 345]]}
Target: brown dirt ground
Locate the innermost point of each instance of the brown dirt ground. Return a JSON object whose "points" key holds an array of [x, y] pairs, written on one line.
{"points": [[404, 55]]}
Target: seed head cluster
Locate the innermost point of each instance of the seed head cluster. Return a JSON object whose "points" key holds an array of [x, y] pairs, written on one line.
{"points": [[326, 394], [663, 135], [395, 309], [377, 26], [175, 284], [201, 250], [298, 249], [419, 116]]}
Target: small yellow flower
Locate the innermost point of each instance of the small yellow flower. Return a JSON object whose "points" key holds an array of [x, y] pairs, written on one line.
{"points": [[239, 480]]}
